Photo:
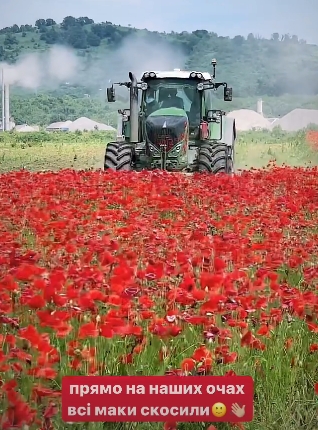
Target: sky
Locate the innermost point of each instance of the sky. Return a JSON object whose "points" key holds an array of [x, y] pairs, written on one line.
{"points": [[226, 17]]}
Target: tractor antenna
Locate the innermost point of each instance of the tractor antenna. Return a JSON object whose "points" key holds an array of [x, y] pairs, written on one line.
{"points": [[214, 63]]}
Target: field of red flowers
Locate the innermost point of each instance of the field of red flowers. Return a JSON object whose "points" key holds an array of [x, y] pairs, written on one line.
{"points": [[157, 273]]}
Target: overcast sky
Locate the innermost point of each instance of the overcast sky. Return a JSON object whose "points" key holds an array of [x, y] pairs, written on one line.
{"points": [[226, 17]]}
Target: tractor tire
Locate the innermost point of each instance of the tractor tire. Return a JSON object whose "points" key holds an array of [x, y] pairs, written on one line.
{"points": [[118, 156], [214, 158]]}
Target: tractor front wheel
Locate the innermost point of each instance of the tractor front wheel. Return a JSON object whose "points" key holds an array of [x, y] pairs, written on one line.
{"points": [[118, 156], [215, 158]]}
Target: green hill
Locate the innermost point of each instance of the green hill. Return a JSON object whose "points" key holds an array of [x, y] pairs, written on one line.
{"points": [[282, 70]]}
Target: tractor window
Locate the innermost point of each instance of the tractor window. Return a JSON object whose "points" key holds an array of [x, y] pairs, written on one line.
{"points": [[178, 93], [182, 94]]}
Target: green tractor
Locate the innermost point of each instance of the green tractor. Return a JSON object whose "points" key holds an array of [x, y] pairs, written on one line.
{"points": [[170, 125]]}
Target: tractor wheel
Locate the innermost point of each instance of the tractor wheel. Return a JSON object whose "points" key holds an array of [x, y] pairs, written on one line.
{"points": [[214, 158], [118, 156]]}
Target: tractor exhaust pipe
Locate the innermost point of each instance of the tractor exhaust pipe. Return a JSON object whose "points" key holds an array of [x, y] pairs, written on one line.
{"points": [[134, 109]]}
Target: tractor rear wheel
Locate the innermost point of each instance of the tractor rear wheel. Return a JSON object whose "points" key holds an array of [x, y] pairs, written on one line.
{"points": [[118, 156], [215, 158]]}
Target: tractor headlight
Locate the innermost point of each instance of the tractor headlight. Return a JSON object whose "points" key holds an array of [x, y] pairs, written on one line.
{"points": [[144, 86], [193, 75], [126, 112], [146, 75], [199, 75], [200, 86], [152, 75]]}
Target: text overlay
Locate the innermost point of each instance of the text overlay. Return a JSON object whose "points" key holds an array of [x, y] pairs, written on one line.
{"points": [[157, 398]]}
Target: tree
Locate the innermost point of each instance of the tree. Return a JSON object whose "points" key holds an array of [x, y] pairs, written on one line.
{"points": [[104, 31], [238, 40], [285, 38], [10, 40], [99, 30], [93, 39], [52, 36], [68, 21], [84, 20], [5, 30], [200, 33], [49, 22], [275, 37], [15, 28], [40, 23], [77, 37]]}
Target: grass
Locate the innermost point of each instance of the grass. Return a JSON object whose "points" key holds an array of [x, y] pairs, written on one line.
{"points": [[250, 155], [53, 157], [284, 374], [28, 44], [257, 149], [42, 151]]}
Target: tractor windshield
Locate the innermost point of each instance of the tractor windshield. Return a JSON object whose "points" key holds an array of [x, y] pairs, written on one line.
{"points": [[178, 93]]}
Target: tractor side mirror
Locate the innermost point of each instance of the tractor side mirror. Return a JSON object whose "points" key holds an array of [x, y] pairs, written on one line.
{"points": [[228, 94], [111, 96]]}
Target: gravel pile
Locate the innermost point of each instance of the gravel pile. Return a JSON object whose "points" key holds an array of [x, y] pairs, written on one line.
{"points": [[89, 125], [247, 119], [59, 125], [297, 119], [25, 129]]}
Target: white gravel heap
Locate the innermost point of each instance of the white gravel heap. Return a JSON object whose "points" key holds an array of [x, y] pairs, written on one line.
{"points": [[24, 129], [59, 125], [84, 123], [297, 119], [247, 119]]}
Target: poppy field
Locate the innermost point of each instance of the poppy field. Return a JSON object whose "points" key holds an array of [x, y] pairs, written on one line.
{"points": [[154, 273]]}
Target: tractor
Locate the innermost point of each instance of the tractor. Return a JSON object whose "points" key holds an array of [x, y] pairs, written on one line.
{"points": [[170, 124]]}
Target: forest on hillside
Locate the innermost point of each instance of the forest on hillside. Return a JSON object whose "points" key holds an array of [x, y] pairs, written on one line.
{"points": [[282, 69]]}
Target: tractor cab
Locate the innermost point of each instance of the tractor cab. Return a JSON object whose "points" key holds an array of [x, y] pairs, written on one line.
{"points": [[174, 93]]}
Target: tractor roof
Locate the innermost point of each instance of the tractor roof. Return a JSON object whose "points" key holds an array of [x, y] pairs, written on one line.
{"points": [[177, 73]]}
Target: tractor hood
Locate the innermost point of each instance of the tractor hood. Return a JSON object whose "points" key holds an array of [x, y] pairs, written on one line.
{"points": [[168, 112], [167, 127]]}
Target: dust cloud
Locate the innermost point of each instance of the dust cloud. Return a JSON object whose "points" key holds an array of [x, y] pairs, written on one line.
{"points": [[36, 70], [93, 71], [136, 54]]}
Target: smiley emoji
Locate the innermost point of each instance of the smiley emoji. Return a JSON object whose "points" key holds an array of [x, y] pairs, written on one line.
{"points": [[219, 410]]}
